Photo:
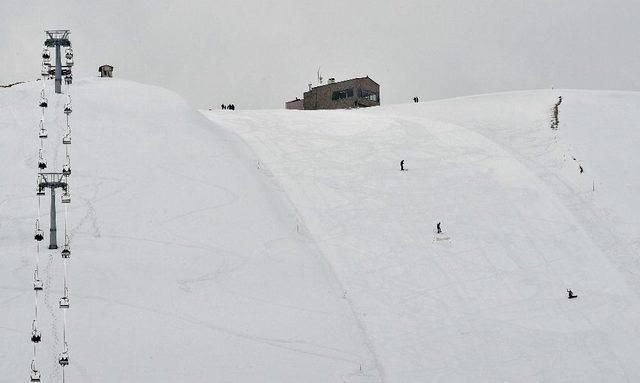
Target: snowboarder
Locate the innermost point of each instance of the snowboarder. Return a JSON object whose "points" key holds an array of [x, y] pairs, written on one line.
{"points": [[402, 166], [571, 295], [438, 229]]}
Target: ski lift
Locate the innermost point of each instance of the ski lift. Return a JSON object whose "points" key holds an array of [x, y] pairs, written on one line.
{"points": [[68, 79], [43, 132], [40, 188], [46, 54], [36, 337], [37, 283], [66, 197], [67, 138], [64, 302], [64, 358], [43, 100], [67, 108], [66, 251], [42, 163], [35, 374], [66, 168], [39, 235]]}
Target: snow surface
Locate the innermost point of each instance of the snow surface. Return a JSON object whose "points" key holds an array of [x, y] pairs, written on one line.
{"points": [[188, 265], [490, 304], [286, 246]]}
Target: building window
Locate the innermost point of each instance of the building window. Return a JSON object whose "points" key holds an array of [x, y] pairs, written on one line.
{"points": [[369, 95], [339, 94]]}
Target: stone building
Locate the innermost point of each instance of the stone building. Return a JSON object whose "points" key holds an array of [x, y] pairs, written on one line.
{"points": [[354, 93], [106, 71]]}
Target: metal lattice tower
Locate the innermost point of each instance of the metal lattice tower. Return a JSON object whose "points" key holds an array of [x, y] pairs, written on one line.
{"points": [[56, 39]]}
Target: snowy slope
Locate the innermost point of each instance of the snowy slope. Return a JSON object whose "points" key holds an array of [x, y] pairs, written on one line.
{"points": [[188, 263], [490, 303]]}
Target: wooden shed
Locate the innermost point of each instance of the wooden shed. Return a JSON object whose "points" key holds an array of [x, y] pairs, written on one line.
{"points": [[106, 70]]}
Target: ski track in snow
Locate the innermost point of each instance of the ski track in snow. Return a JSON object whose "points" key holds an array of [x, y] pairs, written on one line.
{"points": [[180, 250], [546, 230]]}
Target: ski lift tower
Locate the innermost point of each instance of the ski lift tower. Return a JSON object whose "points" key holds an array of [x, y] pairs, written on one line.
{"points": [[56, 39], [52, 181]]}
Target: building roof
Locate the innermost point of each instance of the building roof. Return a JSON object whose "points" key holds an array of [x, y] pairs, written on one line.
{"points": [[348, 80]]}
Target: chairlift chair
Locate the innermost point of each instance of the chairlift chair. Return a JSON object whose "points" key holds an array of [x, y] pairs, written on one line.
{"points": [[68, 79], [64, 302], [67, 109], [39, 235], [69, 53], [66, 197], [45, 53], [69, 62], [37, 283], [66, 252], [43, 102], [42, 163], [43, 132], [66, 169], [36, 336], [39, 187], [63, 359], [35, 374], [66, 139]]}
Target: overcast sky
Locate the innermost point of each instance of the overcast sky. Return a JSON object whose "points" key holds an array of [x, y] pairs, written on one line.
{"points": [[260, 53]]}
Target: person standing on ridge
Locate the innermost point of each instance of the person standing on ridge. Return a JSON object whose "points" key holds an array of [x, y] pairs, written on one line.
{"points": [[438, 229], [402, 166]]}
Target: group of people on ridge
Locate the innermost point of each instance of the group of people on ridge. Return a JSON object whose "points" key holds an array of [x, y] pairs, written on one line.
{"points": [[230, 107]]}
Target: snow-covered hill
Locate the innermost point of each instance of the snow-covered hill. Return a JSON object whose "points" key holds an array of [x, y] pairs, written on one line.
{"points": [[286, 246], [524, 225], [188, 265]]}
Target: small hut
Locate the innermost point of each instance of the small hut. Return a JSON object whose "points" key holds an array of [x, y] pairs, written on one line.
{"points": [[106, 70]]}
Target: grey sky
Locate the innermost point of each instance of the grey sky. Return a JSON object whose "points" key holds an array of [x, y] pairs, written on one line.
{"points": [[260, 53]]}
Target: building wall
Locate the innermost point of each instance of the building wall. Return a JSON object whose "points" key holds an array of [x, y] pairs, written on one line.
{"points": [[320, 97], [295, 104]]}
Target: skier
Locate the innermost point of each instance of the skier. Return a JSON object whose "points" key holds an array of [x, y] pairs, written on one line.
{"points": [[402, 166], [571, 295], [438, 229]]}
